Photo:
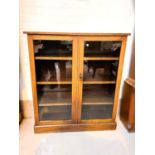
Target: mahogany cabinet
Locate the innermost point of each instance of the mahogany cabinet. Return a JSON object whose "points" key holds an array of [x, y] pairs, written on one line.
{"points": [[75, 79], [127, 107]]}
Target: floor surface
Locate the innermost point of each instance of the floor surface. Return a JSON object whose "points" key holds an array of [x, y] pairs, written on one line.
{"points": [[116, 142]]}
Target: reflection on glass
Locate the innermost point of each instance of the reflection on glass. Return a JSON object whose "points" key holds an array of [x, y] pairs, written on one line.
{"points": [[52, 48], [102, 48], [100, 70], [53, 70], [97, 101], [54, 102]]}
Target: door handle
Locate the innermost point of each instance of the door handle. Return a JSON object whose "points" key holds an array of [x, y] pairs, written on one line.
{"points": [[81, 77]]}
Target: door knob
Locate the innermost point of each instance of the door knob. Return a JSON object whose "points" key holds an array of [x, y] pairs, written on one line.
{"points": [[81, 77]]}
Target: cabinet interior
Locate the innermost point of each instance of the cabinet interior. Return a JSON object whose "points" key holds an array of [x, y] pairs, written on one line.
{"points": [[53, 63]]}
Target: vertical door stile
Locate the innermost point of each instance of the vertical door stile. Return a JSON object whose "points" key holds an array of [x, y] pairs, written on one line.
{"points": [[33, 78], [80, 73], [119, 76], [74, 80]]}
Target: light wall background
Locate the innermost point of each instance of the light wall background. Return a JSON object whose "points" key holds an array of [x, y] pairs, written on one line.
{"points": [[103, 16]]}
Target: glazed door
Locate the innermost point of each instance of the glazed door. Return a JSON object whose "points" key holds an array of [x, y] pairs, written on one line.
{"points": [[54, 78], [98, 74]]}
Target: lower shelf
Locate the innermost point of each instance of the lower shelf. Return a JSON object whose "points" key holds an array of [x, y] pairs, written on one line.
{"points": [[74, 127], [92, 95], [55, 113], [90, 112]]}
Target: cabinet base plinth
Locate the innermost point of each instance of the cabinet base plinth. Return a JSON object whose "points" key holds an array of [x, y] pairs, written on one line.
{"points": [[74, 127]]}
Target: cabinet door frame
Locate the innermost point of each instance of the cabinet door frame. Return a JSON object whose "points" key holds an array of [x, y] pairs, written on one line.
{"points": [[32, 37], [81, 41]]}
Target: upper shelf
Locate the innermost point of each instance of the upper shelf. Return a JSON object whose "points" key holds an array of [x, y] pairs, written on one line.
{"points": [[102, 49], [53, 53], [52, 50]]}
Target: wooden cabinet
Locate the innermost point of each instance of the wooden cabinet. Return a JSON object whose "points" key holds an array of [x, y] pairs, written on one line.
{"points": [[127, 109], [75, 80]]}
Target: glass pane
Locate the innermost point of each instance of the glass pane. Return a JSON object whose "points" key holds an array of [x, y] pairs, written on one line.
{"points": [[54, 102], [97, 101], [53, 70], [52, 48], [102, 48], [100, 70]]}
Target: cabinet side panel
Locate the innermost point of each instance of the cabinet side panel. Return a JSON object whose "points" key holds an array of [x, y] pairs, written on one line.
{"points": [[119, 76], [33, 78]]}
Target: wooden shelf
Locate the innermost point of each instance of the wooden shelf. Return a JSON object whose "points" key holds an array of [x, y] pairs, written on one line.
{"points": [[97, 98], [70, 82], [53, 82], [52, 58], [101, 58], [67, 80], [63, 97], [99, 103], [99, 82], [99, 78], [90, 112], [55, 98], [53, 104], [62, 74], [55, 113]]}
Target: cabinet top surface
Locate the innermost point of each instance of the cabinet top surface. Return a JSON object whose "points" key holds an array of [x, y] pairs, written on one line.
{"points": [[75, 34]]}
